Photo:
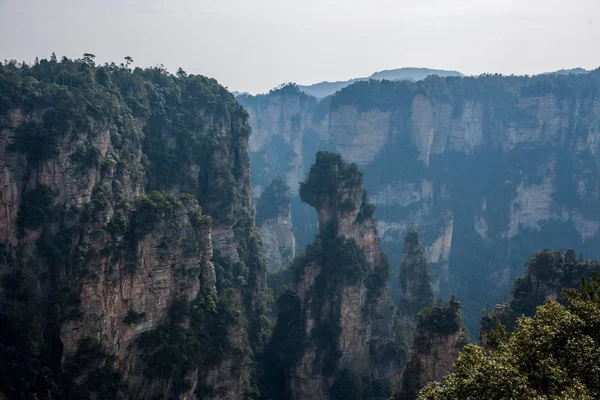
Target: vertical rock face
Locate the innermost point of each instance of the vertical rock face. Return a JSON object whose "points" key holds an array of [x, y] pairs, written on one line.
{"points": [[283, 123], [279, 242], [359, 135], [416, 291], [438, 339], [288, 128], [97, 266], [275, 220], [346, 330], [488, 169]]}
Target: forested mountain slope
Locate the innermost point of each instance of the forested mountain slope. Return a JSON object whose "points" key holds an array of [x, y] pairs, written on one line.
{"points": [[119, 187]]}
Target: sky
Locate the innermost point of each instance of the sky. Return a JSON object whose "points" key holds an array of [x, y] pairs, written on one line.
{"points": [[255, 45]]}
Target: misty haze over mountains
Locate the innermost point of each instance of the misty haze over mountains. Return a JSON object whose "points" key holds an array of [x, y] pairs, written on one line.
{"points": [[400, 201]]}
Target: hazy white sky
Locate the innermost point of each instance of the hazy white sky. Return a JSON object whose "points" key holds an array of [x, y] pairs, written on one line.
{"points": [[254, 45]]}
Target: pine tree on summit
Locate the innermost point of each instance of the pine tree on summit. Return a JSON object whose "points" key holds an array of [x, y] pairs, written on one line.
{"points": [[416, 291]]}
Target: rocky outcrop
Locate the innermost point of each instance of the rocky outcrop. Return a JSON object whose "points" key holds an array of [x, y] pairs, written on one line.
{"points": [[279, 242], [438, 339], [105, 250], [347, 325]]}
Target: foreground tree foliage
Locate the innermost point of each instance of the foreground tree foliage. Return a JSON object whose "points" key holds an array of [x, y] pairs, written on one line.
{"points": [[552, 355]]}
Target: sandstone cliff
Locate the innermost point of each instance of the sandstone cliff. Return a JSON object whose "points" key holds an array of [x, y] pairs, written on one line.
{"points": [[416, 291], [274, 218], [337, 327], [97, 266], [283, 122], [288, 128], [438, 339], [487, 168]]}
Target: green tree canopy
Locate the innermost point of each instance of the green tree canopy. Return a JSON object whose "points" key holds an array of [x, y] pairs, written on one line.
{"points": [[552, 355]]}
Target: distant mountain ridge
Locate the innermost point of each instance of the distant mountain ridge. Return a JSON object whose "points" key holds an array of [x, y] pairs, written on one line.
{"points": [[324, 89], [569, 71]]}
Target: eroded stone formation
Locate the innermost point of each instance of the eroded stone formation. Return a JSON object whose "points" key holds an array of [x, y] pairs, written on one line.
{"points": [[438, 339], [337, 328]]}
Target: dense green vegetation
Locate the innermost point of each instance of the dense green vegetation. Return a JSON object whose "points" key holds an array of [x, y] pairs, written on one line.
{"points": [[552, 355], [383, 95], [71, 96], [177, 135], [174, 350], [548, 272], [328, 174], [64, 107], [483, 182], [131, 131], [37, 208], [441, 318], [188, 119], [172, 134], [334, 184], [436, 323]]}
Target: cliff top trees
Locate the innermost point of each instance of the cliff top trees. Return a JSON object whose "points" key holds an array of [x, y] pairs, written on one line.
{"points": [[335, 189], [553, 355], [439, 337], [327, 178], [441, 318], [416, 291]]}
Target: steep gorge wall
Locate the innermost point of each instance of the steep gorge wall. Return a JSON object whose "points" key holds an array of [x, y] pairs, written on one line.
{"points": [[98, 267], [489, 169], [284, 123], [288, 128]]}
